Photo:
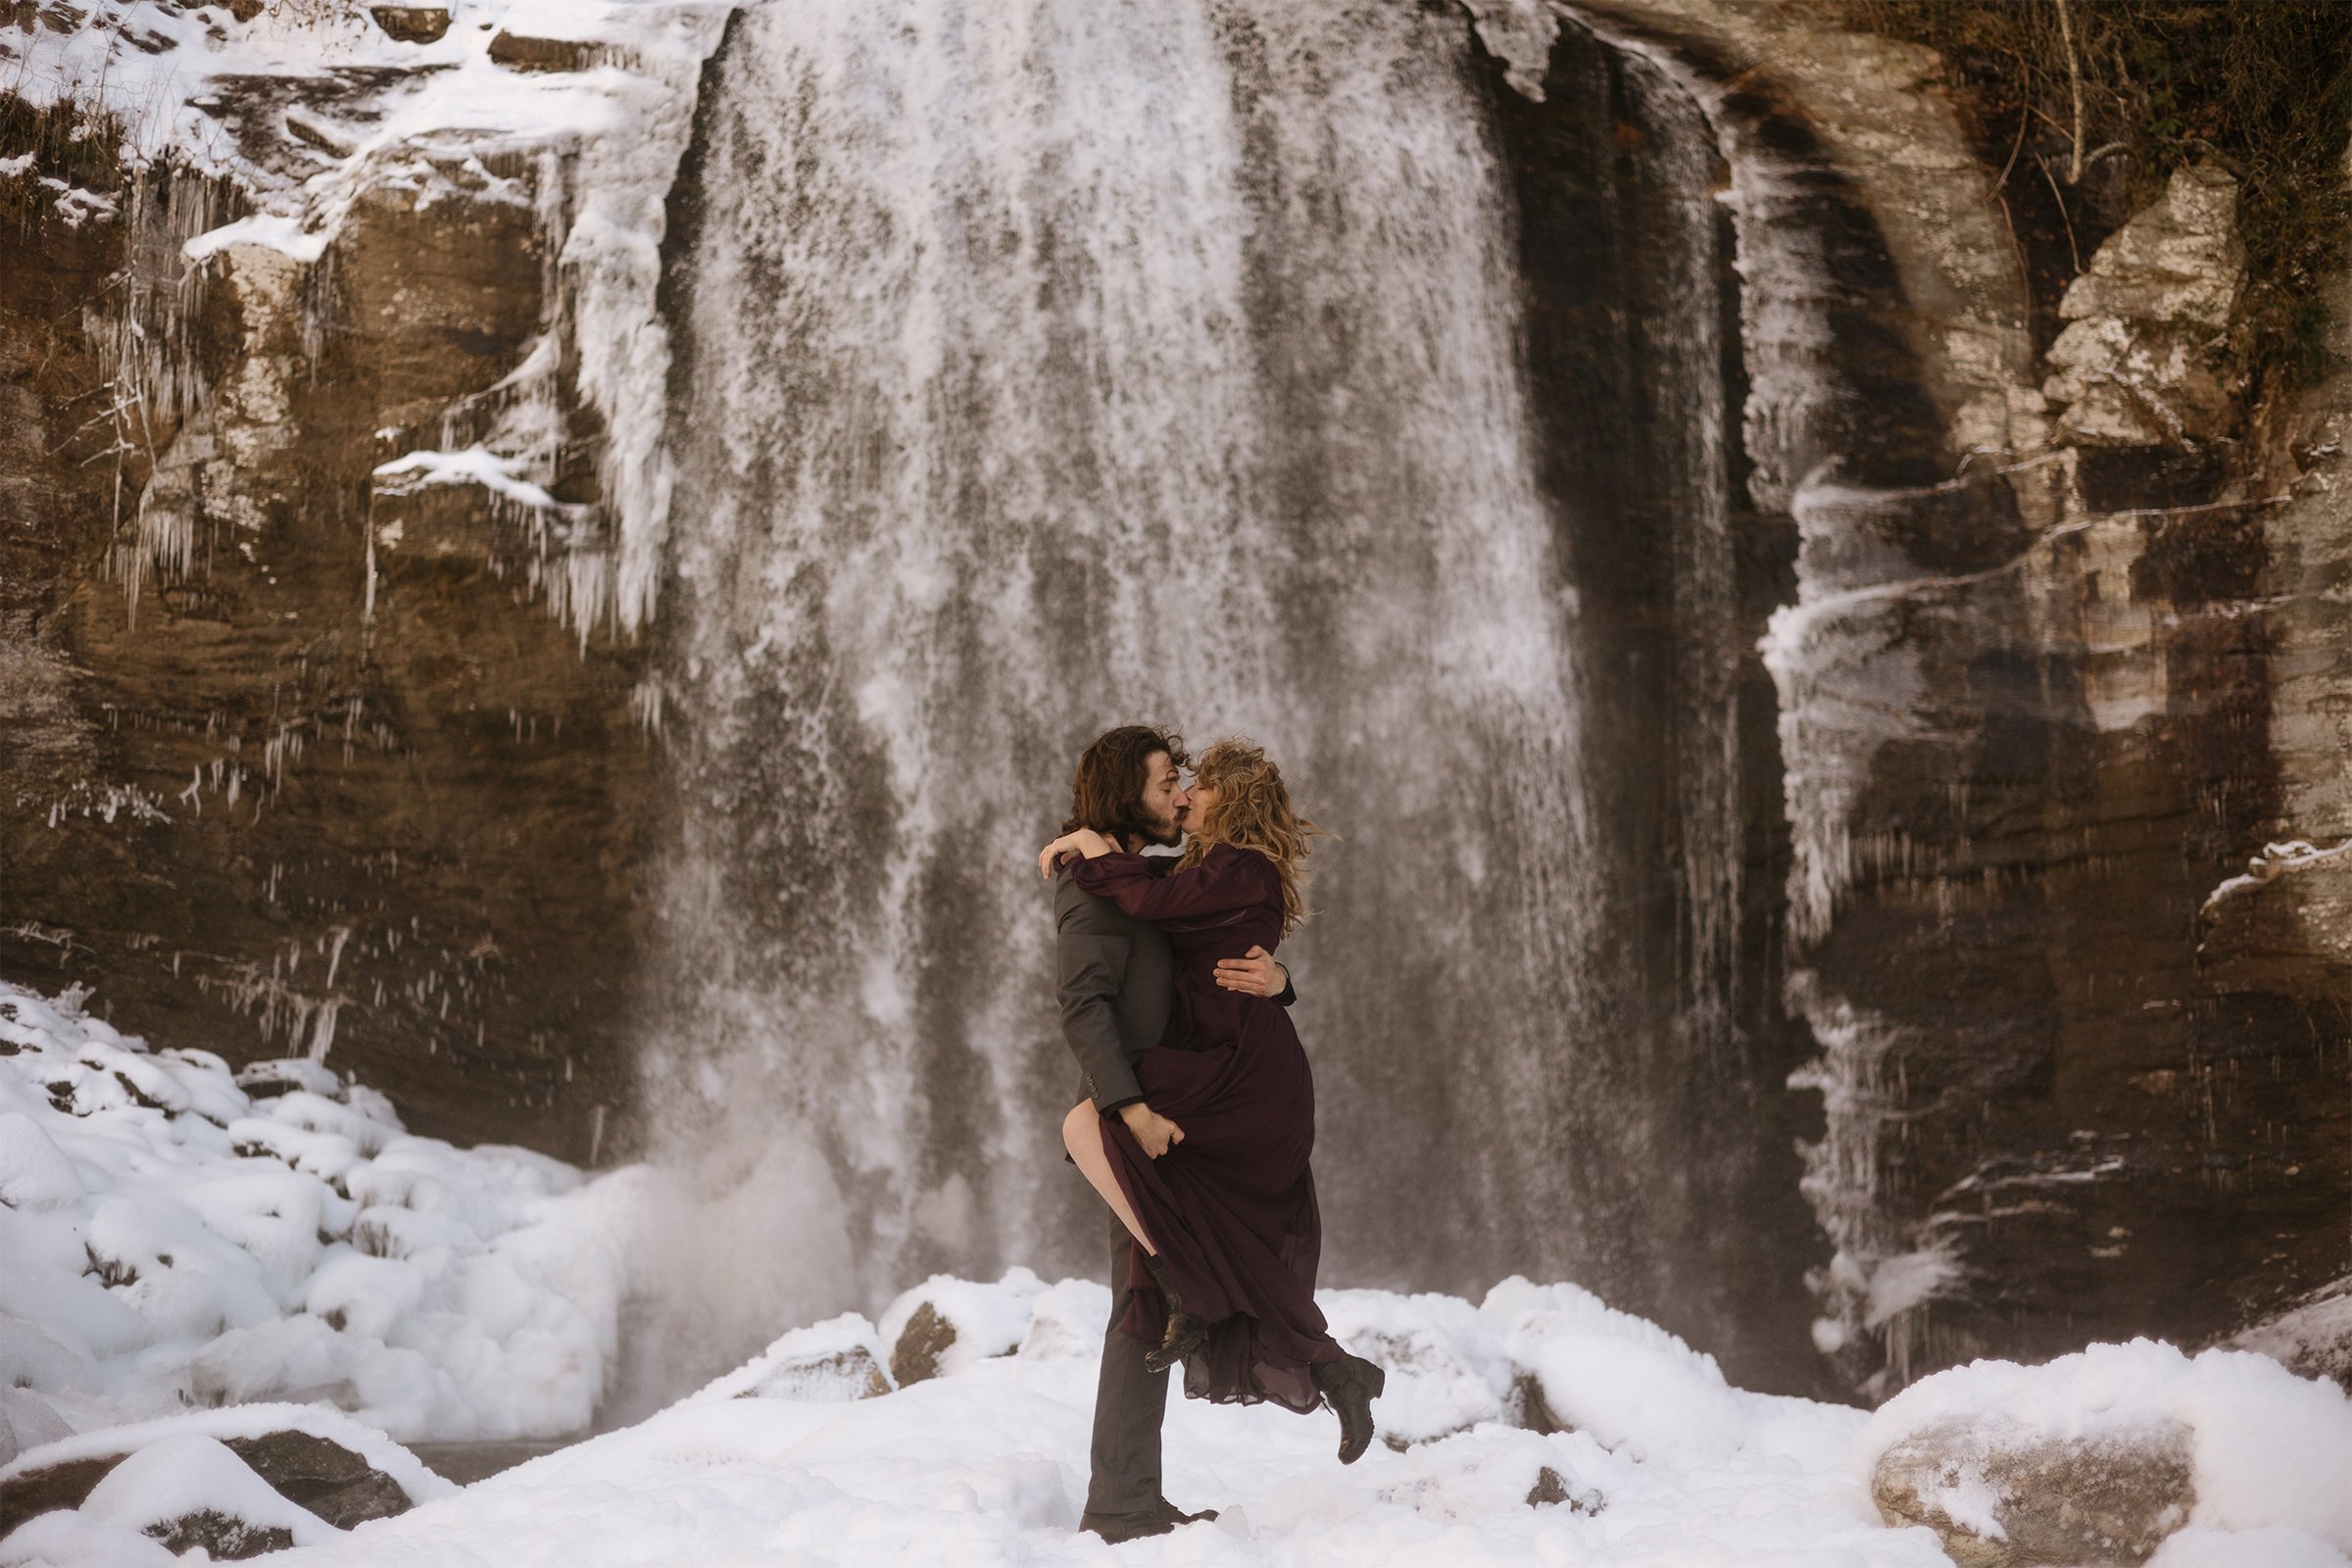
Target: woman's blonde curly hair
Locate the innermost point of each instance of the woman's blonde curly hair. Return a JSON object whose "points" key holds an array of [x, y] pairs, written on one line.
{"points": [[1254, 812]]}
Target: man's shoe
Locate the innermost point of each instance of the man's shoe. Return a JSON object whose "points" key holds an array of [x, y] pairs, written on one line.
{"points": [[1177, 1516], [1350, 1385], [1114, 1528], [1184, 1332], [1157, 1521]]}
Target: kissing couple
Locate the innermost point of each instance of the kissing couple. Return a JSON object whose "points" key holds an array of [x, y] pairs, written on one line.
{"points": [[1198, 1113]]}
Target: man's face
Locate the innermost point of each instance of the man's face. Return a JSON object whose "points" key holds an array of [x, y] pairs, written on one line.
{"points": [[1164, 799]]}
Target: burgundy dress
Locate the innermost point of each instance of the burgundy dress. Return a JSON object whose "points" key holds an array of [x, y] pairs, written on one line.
{"points": [[1233, 1207]]}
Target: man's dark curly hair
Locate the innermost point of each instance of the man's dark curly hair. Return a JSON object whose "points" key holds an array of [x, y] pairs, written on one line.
{"points": [[1108, 795]]}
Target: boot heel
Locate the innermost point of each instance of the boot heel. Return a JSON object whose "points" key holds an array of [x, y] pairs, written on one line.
{"points": [[1376, 1378]]}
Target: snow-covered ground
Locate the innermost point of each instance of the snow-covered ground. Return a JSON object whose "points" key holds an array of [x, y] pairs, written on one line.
{"points": [[785, 1462], [987, 1463], [179, 1236]]}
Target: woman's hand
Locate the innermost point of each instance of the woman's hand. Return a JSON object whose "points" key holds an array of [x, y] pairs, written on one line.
{"points": [[1154, 1132], [1086, 842]]}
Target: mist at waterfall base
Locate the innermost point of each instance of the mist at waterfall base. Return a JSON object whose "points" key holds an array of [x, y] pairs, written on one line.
{"points": [[1048, 365]]}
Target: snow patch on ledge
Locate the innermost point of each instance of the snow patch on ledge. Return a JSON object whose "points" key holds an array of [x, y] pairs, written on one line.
{"points": [[2275, 860], [416, 471], [274, 231]]}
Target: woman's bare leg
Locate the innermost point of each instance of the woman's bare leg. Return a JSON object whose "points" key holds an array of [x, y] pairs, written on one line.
{"points": [[1082, 1136]]}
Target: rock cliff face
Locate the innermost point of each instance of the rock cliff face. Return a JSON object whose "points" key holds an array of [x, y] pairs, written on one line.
{"points": [[300, 761], [1976, 706], [2052, 657]]}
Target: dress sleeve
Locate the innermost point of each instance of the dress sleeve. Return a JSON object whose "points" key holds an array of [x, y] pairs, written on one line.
{"points": [[1227, 886]]}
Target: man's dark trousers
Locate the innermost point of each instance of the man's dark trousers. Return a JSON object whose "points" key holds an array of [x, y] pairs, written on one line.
{"points": [[1128, 1405]]}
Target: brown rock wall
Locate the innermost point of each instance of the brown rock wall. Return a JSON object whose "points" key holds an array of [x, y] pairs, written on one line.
{"points": [[365, 800]]}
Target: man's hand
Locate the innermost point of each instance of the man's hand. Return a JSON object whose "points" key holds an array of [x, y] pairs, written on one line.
{"points": [[1256, 975], [1153, 1131]]}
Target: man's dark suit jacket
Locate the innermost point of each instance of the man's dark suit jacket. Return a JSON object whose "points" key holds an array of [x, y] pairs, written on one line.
{"points": [[1115, 979]]}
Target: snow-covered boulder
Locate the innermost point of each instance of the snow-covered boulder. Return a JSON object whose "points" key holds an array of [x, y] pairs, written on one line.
{"points": [[191, 1491], [326, 1468], [2016, 1504], [2099, 1457], [1622, 1378], [840, 1358], [1446, 1367], [945, 1324]]}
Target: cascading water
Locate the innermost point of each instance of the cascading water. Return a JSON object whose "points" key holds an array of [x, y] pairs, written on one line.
{"points": [[1055, 364]]}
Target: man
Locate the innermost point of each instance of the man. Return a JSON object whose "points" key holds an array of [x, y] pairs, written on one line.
{"points": [[1117, 981]]}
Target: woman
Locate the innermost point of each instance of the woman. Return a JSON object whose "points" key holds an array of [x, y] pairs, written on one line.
{"points": [[1223, 1210]]}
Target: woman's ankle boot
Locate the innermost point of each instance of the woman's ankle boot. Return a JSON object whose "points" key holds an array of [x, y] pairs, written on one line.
{"points": [[1185, 1330], [1350, 1385]]}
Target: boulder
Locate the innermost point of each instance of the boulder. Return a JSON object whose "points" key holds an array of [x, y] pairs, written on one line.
{"points": [[851, 1374], [2310, 1336], [946, 1324], [189, 1491], [2038, 1499], [267, 1080], [2141, 363], [412, 24], [921, 1345], [523, 52], [831, 1362], [309, 1472], [329, 1480], [1552, 1487]]}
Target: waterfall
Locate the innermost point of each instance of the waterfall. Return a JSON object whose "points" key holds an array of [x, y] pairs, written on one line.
{"points": [[1048, 365]]}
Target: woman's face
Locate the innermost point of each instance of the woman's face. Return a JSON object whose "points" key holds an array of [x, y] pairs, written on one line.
{"points": [[1203, 800]]}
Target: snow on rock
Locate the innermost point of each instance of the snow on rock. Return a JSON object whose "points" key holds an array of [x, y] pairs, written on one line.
{"points": [[172, 1239], [946, 1324], [2098, 1456], [65, 1539], [2310, 1336], [840, 1358], [245, 1430], [191, 1491], [1622, 1378]]}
